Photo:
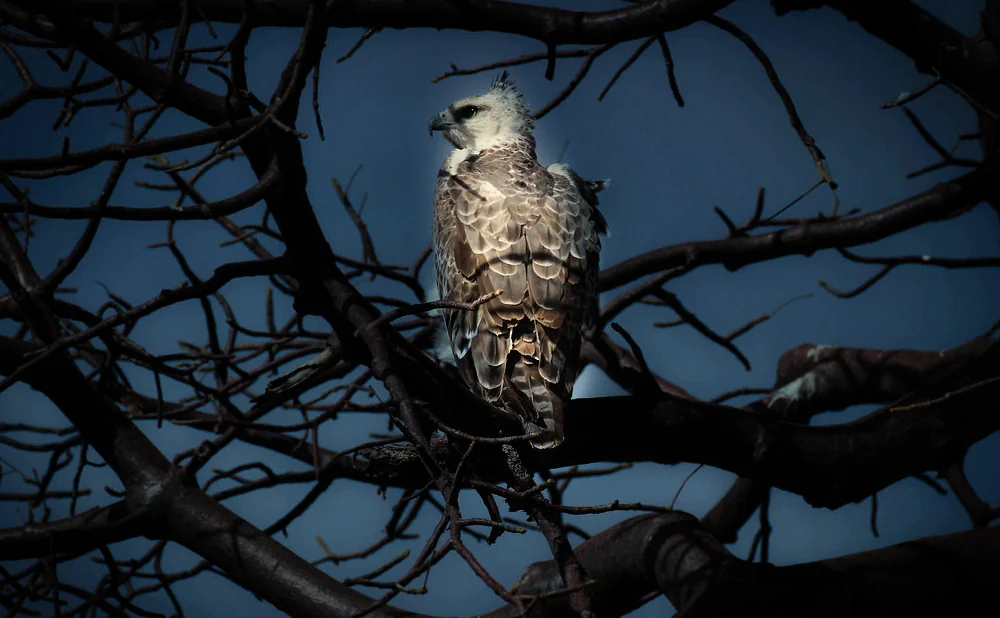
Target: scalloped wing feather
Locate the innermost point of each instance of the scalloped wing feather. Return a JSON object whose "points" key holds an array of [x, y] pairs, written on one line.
{"points": [[501, 221]]}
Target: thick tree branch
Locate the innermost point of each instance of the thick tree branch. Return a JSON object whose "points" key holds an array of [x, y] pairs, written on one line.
{"points": [[181, 512], [117, 152], [79, 534], [260, 563], [829, 466], [950, 575], [551, 25], [670, 431], [944, 201], [817, 378], [247, 198], [936, 48]]}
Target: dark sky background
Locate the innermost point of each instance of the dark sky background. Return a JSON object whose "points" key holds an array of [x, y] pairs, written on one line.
{"points": [[669, 167]]}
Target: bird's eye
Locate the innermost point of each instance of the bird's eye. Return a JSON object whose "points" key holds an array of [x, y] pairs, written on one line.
{"points": [[468, 112]]}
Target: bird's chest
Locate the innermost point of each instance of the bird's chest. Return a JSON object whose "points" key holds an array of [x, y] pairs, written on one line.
{"points": [[496, 193], [511, 174]]}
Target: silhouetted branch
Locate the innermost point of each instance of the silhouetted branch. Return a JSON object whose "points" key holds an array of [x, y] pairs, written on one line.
{"points": [[944, 201], [935, 47], [80, 534], [832, 465], [675, 555], [551, 25], [786, 99]]}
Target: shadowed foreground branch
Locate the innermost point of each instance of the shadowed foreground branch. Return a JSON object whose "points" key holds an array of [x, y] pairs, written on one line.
{"points": [[952, 575], [828, 466]]}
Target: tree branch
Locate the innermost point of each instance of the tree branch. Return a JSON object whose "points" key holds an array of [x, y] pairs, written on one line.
{"points": [[82, 533], [551, 25], [936, 48], [944, 201], [828, 466], [946, 575]]}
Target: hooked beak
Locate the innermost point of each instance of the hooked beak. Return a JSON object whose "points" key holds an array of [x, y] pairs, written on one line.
{"points": [[438, 123]]}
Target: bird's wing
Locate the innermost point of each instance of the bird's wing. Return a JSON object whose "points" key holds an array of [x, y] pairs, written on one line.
{"points": [[515, 227], [478, 250], [573, 218]]}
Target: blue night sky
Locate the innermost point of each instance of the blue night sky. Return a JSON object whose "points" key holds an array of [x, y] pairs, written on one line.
{"points": [[669, 167]]}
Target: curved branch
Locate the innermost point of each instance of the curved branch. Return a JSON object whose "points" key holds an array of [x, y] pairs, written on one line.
{"points": [[222, 275], [82, 533], [817, 379], [183, 513], [828, 466], [552, 25], [247, 198], [935, 47], [944, 201], [115, 152], [946, 575]]}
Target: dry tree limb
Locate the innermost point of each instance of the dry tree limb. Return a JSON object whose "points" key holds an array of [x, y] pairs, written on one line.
{"points": [[908, 97], [671, 300], [786, 99], [435, 304], [980, 512], [574, 82], [511, 62], [369, 33], [624, 67], [668, 60], [944, 201], [367, 246], [757, 321]]}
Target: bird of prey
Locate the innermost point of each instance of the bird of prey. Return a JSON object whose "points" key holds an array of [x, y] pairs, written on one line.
{"points": [[504, 222]]}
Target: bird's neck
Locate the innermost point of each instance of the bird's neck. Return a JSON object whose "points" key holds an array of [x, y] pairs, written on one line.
{"points": [[522, 146], [521, 143]]}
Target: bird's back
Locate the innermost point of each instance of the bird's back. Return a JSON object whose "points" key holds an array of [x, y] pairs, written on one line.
{"points": [[503, 222]]}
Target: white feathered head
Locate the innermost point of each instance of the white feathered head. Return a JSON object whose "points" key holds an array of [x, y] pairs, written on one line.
{"points": [[495, 117]]}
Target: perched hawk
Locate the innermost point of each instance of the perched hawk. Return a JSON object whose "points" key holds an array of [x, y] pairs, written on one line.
{"points": [[503, 222]]}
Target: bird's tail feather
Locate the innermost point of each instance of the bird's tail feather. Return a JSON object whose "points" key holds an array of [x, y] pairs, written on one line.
{"points": [[540, 409]]}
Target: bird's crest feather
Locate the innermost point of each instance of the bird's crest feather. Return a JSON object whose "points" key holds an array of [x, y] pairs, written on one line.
{"points": [[504, 83]]}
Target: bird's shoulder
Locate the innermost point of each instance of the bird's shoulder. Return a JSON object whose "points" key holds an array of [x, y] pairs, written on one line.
{"points": [[510, 169]]}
